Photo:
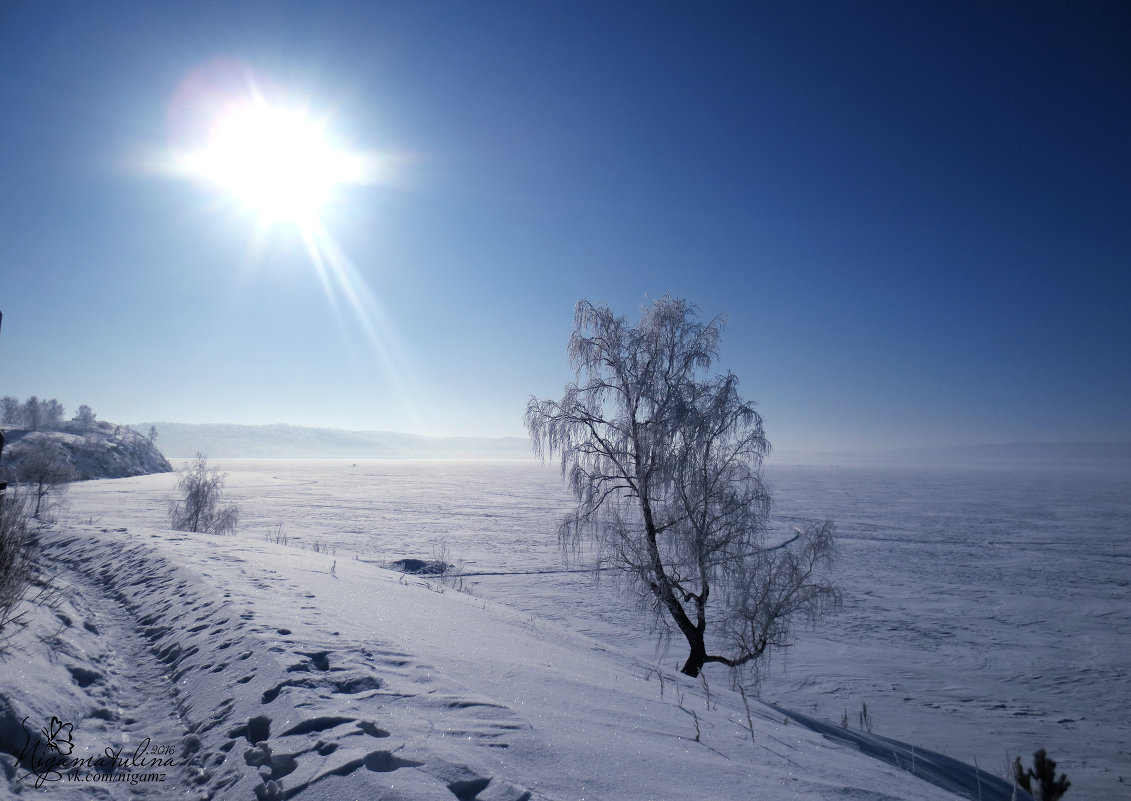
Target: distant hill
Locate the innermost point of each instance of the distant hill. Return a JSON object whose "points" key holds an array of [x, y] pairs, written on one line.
{"points": [[220, 440], [99, 450], [1019, 454]]}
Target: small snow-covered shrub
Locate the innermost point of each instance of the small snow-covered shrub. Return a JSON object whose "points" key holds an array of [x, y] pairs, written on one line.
{"points": [[277, 536], [452, 568], [199, 508], [16, 528], [45, 469]]}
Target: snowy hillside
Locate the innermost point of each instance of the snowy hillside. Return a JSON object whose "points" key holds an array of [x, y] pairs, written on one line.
{"points": [[237, 668], [97, 450]]}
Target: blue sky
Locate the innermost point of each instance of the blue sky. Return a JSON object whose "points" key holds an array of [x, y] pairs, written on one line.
{"points": [[916, 216]]}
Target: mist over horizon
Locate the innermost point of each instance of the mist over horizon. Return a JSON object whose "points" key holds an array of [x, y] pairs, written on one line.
{"points": [[283, 440]]}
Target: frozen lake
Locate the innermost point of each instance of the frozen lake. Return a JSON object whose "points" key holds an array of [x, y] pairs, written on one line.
{"points": [[987, 611]]}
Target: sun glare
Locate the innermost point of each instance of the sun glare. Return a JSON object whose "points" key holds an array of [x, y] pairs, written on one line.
{"points": [[265, 152], [276, 162], [260, 145]]}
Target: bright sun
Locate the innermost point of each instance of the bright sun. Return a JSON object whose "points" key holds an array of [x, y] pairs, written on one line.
{"points": [[263, 147], [275, 161]]}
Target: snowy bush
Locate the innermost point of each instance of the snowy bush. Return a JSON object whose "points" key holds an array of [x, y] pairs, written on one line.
{"points": [[46, 470], [451, 568], [15, 555], [199, 509]]}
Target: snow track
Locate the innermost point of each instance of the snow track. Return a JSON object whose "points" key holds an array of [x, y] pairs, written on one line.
{"points": [[246, 711]]}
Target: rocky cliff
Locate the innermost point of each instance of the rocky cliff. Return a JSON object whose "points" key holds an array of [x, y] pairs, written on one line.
{"points": [[98, 450]]}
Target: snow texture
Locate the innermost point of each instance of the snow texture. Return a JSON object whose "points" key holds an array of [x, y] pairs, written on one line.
{"points": [[277, 672]]}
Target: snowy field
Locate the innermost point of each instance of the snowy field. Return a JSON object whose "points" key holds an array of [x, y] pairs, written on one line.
{"points": [[987, 611]]}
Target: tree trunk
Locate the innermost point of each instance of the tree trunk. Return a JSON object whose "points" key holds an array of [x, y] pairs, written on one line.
{"points": [[698, 656]]}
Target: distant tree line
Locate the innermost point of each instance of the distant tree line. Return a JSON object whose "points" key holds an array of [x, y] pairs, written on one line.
{"points": [[40, 415]]}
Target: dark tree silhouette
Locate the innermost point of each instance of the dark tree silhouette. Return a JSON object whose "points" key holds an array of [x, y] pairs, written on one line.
{"points": [[1040, 780]]}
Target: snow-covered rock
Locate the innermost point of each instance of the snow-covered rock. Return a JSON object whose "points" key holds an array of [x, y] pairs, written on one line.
{"points": [[99, 450]]}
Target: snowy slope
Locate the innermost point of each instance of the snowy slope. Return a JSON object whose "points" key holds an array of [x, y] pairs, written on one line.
{"points": [[272, 672]]}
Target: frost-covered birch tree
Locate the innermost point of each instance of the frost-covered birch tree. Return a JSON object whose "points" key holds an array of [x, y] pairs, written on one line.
{"points": [[199, 508], [53, 412], [85, 417], [46, 470], [11, 412], [32, 416], [666, 465]]}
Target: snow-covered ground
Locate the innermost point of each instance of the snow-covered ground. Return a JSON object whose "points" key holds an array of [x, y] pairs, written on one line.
{"points": [[987, 614]]}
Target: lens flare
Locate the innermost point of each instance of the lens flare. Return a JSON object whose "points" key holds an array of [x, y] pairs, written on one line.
{"points": [[259, 146]]}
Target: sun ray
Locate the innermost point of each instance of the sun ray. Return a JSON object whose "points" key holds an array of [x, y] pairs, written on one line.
{"points": [[342, 283], [265, 152]]}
